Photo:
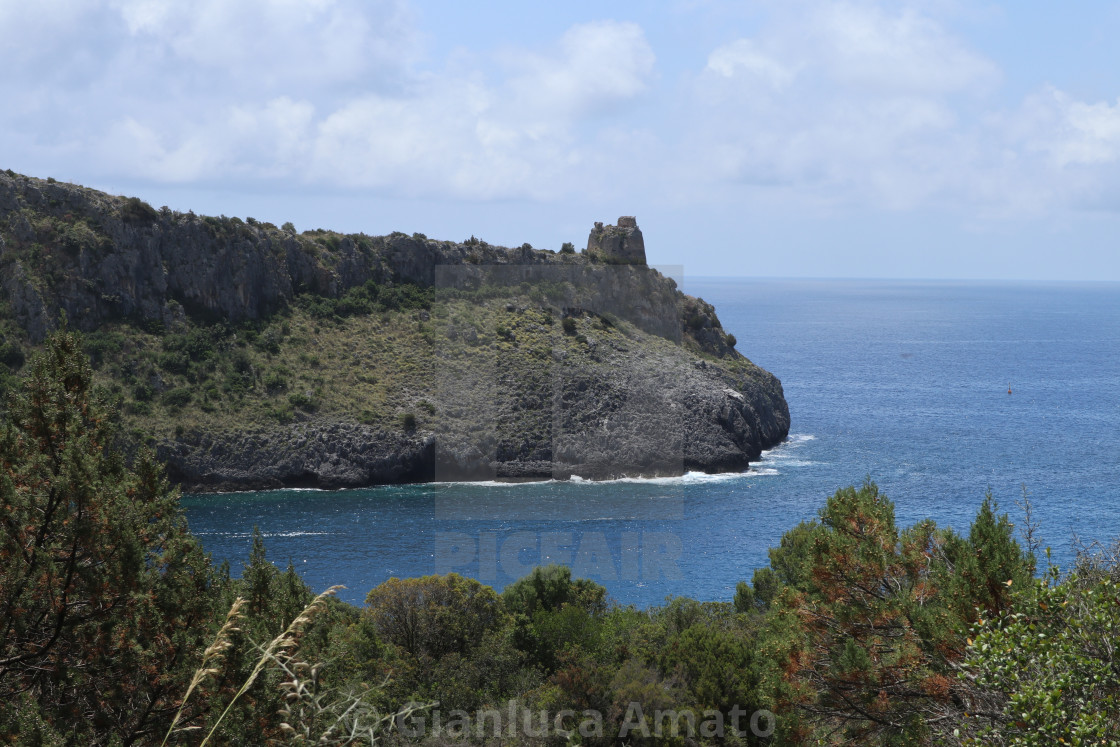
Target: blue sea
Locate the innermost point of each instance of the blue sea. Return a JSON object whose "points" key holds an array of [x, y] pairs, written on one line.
{"points": [[902, 382]]}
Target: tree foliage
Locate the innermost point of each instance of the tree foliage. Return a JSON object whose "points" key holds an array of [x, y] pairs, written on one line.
{"points": [[435, 615], [1048, 672], [869, 640], [103, 591]]}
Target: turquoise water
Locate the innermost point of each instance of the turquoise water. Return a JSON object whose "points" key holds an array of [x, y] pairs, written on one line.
{"points": [[905, 382]]}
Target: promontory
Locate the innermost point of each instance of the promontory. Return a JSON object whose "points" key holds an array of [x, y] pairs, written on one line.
{"points": [[252, 356]]}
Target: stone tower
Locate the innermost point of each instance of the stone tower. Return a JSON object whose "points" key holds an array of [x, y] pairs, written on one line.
{"points": [[622, 244]]}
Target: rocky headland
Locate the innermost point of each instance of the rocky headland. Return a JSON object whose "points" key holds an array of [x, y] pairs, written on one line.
{"points": [[253, 356]]}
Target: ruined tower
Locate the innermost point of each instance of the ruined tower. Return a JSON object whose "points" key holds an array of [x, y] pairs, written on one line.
{"points": [[621, 244]]}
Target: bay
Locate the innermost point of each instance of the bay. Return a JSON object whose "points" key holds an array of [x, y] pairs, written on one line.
{"points": [[902, 382]]}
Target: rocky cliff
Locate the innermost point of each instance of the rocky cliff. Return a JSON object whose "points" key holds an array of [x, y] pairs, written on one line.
{"points": [[254, 356]]}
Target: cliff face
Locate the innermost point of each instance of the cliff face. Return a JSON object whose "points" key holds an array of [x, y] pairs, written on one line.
{"points": [[638, 378]]}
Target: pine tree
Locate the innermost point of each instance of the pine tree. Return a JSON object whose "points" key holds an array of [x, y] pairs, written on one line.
{"points": [[871, 639], [103, 592]]}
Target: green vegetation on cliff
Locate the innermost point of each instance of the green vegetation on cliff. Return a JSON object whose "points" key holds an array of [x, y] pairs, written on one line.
{"points": [[251, 356]]}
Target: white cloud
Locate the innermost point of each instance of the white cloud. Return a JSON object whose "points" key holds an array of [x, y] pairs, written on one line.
{"points": [[275, 45], [744, 57], [449, 134], [598, 67], [830, 104], [846, 103], [896, 51], [1068, 132], [881, 106]]}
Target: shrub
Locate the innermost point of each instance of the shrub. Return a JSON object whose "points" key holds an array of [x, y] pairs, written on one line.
{"points": [[303, 401], [270, 340], [11, 354], [135, 211], [177, 398], [569, 325], [434, 616], [551, 587], [198, 344], [282, 414], [408, 421], [275, 381], [731, 341], [567, 248], [288, 227], [78, 237], [175, 362]]}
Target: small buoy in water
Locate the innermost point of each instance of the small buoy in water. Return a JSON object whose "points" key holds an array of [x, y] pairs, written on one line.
{"points": [[1009, 387]]}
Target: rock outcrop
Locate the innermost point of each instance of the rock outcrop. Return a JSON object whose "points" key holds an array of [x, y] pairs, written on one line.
{"points": [[670, 395]]}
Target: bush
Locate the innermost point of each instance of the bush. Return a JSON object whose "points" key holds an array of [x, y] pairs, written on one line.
{"points": [[567, 248], [408, 421], [175, 362], [198, 344], [275, 381], [282, 414], [11, 354], [731, 341], [135, 211], [270, 340], [569, 325], [551, 587], [303, 401], [434, 616], [177, 398]]}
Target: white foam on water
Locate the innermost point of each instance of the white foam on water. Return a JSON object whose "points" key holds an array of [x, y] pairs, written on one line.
{"points": [[490, 483], [688, 478], [786, 454], [788, 461], [237, 535]]}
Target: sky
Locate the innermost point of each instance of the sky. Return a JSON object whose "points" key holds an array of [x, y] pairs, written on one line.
{"points": [[775, 138]]}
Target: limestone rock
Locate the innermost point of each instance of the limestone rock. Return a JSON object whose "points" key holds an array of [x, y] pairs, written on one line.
{"points": [[619, 244]]}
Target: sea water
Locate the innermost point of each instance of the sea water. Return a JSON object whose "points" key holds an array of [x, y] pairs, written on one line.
{"points": [[905, 383]]}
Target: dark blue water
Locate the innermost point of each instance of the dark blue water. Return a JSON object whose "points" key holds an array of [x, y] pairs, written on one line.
{"points": [[905, 382]]}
